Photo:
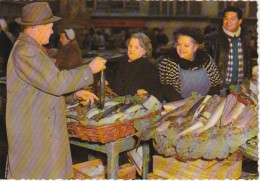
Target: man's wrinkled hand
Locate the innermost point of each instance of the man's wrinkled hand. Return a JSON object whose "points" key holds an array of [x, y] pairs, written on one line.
{"points": [[85, 97], [98, 64]]}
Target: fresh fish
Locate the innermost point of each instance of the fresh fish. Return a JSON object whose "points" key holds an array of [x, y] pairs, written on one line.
{"points": [[215, 116], [195, 126], [234, 113], [231, 101], [245, 118], [201, 107], [106, 112], [126, 106], [181, 111], [92, 112], [163, 126], [111, 103], [111, 118], [174, 105], [133, 108], [81, 121]]}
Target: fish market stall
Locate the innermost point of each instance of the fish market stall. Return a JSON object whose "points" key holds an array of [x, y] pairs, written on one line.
{"points": [[111, 130], [206, 132]]}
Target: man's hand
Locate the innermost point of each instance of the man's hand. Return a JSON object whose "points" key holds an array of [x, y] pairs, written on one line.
{"points": [[97, 65], [85, 97]]}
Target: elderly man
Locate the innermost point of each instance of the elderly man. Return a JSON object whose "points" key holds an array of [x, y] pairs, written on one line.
{"points": [[230, 49], [38, 144]]}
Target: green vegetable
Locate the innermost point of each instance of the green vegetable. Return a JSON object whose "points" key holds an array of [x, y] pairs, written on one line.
{"points": [[233, 88]]}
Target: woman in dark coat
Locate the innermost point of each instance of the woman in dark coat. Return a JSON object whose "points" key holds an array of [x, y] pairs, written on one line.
{"points": [[187, 69], [69, 56], [135, 71]]}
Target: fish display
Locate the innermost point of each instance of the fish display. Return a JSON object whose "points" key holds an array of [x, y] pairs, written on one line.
{"points": [[117, 109], [215, 128]]}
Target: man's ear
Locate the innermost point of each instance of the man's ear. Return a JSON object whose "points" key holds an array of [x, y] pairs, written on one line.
{"points": [[196, 46], [240, 22]]}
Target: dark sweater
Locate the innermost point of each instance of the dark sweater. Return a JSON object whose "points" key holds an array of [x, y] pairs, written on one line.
{"points": [[139, 74]]}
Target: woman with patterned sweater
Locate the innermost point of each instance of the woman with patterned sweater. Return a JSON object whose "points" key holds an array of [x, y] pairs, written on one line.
{"points": [[187, 68]]}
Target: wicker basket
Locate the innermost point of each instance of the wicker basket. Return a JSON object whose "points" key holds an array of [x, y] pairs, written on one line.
{"points": [[104, 133]]}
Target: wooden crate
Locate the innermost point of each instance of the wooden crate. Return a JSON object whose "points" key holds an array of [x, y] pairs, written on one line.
{"points": [[125, 172], [171, 168], [151, 176]]}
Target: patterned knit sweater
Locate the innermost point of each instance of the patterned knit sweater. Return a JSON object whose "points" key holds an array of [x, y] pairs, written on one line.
{"points": [[169, 74]]}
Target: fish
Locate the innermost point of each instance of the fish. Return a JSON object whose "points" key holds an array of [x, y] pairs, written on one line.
{"points": [[215, 116], [174, 105], [201, 107], [81, 121], [235, 112], [163, 126], [245, 118], [181, 111], [126, 106], [195, 126], [106, 112], [111, 118], [133, 108], [92, 112], [231, 101]]}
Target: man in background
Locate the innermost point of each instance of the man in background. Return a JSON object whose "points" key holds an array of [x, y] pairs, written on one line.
{"points": [[229, 47]]}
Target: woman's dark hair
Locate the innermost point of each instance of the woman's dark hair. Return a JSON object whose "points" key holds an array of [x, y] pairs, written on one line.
{"points": [[194, 33], [233, 9], [65, 34]]}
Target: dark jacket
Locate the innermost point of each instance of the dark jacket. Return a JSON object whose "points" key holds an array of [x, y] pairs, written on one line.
{"points": [[217, 46], [69, 56], [139, 74]]}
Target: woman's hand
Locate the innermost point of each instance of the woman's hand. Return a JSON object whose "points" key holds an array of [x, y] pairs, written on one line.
{"points": [[85, 97], [142, 93], [106, 83]]}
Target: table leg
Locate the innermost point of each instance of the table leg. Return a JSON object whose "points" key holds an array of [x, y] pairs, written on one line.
{"points": [[146, 159], [112, 160]]}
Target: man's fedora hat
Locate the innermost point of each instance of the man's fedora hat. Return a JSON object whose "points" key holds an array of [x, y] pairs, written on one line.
{"points": [[37, 13]]}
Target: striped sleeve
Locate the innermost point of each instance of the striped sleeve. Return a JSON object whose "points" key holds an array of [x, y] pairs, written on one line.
{"points": [[169, 73], [212, 71]]}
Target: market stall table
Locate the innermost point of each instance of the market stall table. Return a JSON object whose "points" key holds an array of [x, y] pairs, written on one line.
{"points": [[113, 149]]}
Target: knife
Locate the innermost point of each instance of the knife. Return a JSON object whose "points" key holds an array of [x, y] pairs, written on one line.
{"points": [[102, 90]]}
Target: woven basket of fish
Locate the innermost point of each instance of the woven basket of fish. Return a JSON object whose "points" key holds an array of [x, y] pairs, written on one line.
{"points": [[81, 110], [208, 127], [115, 121]]}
